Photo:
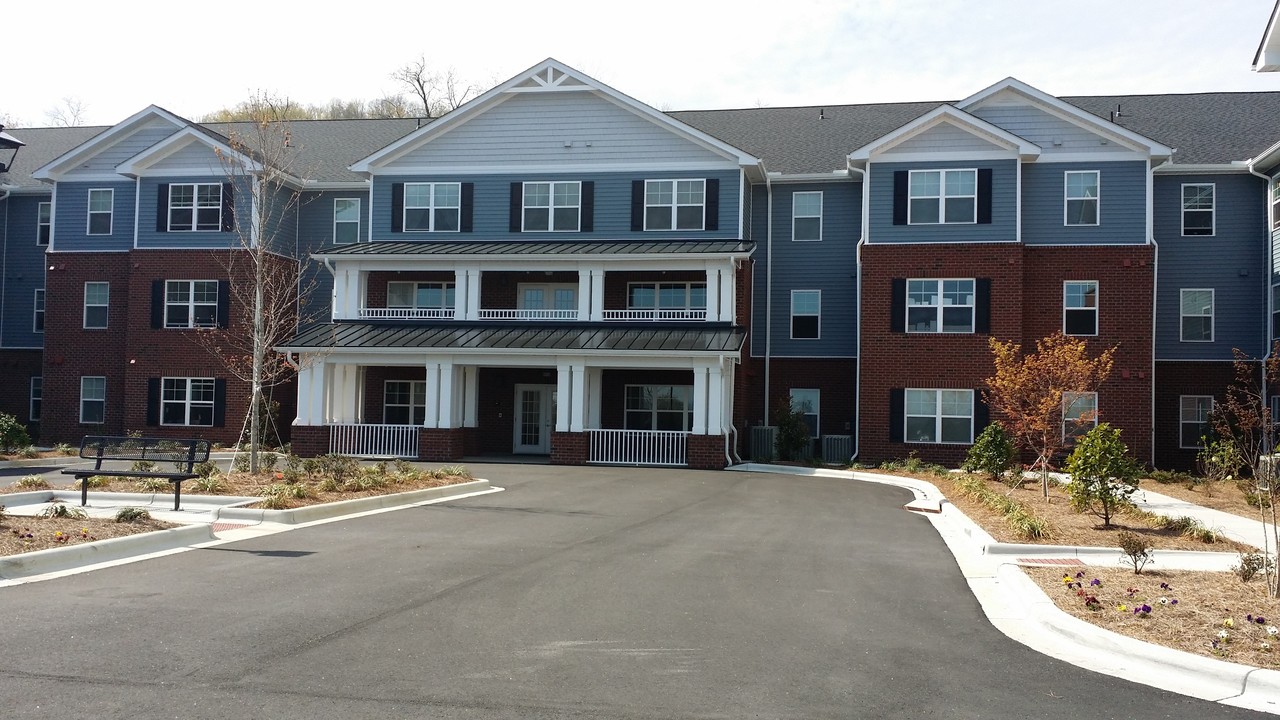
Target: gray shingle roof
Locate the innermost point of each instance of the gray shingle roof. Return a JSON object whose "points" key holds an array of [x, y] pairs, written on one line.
{"points": [[329, 146], [527, 247], [566, 337], [42, 146]]}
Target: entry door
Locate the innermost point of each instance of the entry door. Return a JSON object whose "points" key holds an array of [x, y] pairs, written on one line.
{"points": [[535, 417]]}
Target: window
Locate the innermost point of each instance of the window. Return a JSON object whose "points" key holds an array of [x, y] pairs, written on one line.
{"points": [[674, 204], [96, 296], [186, 401], [1193, 420], [37, 396], [404, 402], [1081, 197], [942, 196], [1197, 315], [346, 220], [1275, 207], [37, 319], [806, 216], [556, 296], [432, 207], [190, 303], [1079, 414], [667, 296], [940, 306], [807, 401], [1197, 209], [195, 207], [552, 206], [659, 407], [806, 314], [423, 295], [938, 416], [100, 203], [1080, 307], [93, 400], [44, 223]]}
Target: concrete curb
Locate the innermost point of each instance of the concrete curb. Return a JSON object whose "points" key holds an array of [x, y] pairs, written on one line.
{"points": [[346, 507], [100, 551]]}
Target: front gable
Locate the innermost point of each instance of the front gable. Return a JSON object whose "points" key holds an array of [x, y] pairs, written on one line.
{"points": [[946, 133], [97, 158], [191, 151]]}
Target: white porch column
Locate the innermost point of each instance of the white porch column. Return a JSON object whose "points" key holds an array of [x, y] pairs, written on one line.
{"points": [[563, 394], [595, 386], [470, 396], [351, 300], [446, 403], [728, 294], [431, 414], [578, 403], [460, 294], [318, 392], [715, 401], [597, 294], [344, 393], [474, 279], [305, 379], [584, 294], [699, 401], [713, 292], [340, 293]]}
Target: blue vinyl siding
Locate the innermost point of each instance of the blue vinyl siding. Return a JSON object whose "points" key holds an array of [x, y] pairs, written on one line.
{"points": [[280, 223], [1232, 262], [1003, 226], [315, 230], [612, 218], [23, 266], [71, 218], [147, 203], [1122, 204], [829, 265]]}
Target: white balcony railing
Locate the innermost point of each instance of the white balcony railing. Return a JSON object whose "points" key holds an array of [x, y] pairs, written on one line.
{"points": [[528, 314], [672, 314], [369, 440], [638, 447], [406, 313]]}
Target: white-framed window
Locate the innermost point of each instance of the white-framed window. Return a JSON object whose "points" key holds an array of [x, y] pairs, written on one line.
{"points": [[547, 296], [806, 216], [420, 295], [942, 197], [432, 207], [1081, 197], [658, 407], [404, 402], [1275, 207], [1080, 307], [674, 204], [1198, 209], [195, 207], [101, 203], [806, 314], [808, 402], [186, 401], [667, 296], [1193, 420], [1079, 414], [44, 223], [938, 416], [1196, 314], [93, 400], [346, 220], [37, 398], [37, 311], [552, 206], [944, 305], [97, 296], [190, 303]]}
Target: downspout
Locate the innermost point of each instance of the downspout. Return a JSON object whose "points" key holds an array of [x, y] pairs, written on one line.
{"points": [[1155, 303], [768, 291], [857, 315], [1266, 356]]}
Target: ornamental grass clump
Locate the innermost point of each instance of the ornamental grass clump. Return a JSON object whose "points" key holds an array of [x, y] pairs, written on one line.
{"points": [[1022, 520], [32, 482]]}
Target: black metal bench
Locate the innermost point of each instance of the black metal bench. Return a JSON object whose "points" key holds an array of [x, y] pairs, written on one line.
{"points": [[159, 450]]}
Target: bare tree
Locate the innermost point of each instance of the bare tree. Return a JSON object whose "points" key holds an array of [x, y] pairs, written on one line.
{"points": [[69, 113], [437, 92], [391, 106]]}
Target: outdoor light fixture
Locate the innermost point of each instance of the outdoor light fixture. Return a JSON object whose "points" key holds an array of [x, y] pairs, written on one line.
{"points": [[8, 142]]}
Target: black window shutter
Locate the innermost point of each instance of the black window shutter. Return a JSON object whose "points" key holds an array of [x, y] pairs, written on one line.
{"points": [[162, 207], [898, 306], [219, 402], [900, 197], [228, 207], [637, 205], [984, 196], [588, 206], [157, 303], [897, 406], [517, 206], [397, 207], [982, 306], [981, 413], [713, 204], [224, 304], [153, 402], [467, 205]]}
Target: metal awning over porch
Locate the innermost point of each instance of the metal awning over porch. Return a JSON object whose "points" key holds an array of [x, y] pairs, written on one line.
{"points": [[528, 248], [575, 338]]}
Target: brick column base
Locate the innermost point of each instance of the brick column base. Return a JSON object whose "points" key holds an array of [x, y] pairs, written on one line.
{"points": [[568, 448], [309, 440], [441, 444], [706, 452]]}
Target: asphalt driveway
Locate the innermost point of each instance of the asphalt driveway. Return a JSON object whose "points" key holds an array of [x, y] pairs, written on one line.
{"points": [[586, 592]]}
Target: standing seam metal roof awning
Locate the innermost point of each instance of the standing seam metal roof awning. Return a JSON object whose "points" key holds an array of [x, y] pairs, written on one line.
{"points": [[664, 338], [505, 247]]}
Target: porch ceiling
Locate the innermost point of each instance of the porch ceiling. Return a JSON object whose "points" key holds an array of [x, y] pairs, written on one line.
{"points": [[548, 248], [368, 336]]}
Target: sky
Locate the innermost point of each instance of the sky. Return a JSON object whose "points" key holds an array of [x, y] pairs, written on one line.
{"points": [[194, 58]]}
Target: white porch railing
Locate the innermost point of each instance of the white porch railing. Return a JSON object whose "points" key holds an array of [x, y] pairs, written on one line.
{"points": [[374, 440], [699, 314], [638, 447], [406, 313], [529, 314]]}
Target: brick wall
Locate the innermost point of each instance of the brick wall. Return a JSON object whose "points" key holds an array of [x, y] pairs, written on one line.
{"points": [[569, 448], [1174, 379], [376, 283], [615, 283], [441, 444], [706, 452], [17, 367], [613, 390], [496, 404], [499, 290], [309, 440]]}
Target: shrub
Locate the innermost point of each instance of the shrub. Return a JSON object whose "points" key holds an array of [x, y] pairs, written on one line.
{"points": [[339, 467], [30, 451], [293, 463], [98, 481], [267, 461], [131, 514], [992, 453], [207, 469], [60, 510], [240, 463], [142, 466], [65, 449], [792, 439], [1137, 550], [1171, 477], [1251, 564], [32, 482], [403, 467], [13, 434], [152, 485], [1103, 476], [1219, 460]]}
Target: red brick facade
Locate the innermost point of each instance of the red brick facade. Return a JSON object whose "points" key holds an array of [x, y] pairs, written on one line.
{"points": [[706, 452], [17, 367], [569, 448], [442, 444], [1175, 379]]}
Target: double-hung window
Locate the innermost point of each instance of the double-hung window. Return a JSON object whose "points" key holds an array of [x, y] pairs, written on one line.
{"points": [[1197, 209], [346, 220], [669, 301], [1081, 207], [195, 207], [658, 407], [101, 201], [37, 398], [1193, 420], [97, 296], [190, 303], [187, 401], [432, 207], [942, 196], [552, 206], [1080, 307], [44, 223], [421, 295], [674, 204], [942, 305], [1197, 315], [806, 314], [93, 400], [938, 416], [806, 216], [1079, 414], [807, 402], [37, 313], [404, 402]]}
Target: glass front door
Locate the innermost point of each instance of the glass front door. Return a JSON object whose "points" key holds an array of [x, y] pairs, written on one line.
{"points": [[535, 416]]}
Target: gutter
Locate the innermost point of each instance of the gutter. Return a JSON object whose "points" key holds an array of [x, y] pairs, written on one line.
{"points": [[857, 314], [1266, 356], [768, 291]]}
